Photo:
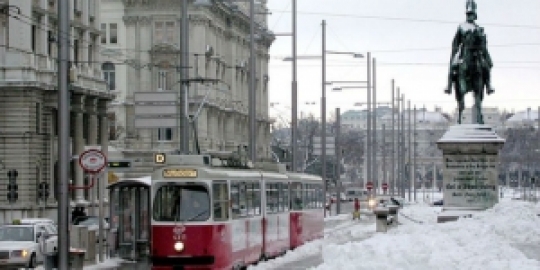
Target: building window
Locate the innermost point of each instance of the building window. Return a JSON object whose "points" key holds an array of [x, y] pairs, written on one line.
{"points": [[164, 32], [90, 53], [103, 33], [34, 39], [38, 118], [113, 33], [170, 33], [162, 80], [76, 52], [111, 117], [50, 41], [109, 75], [164, 134]]}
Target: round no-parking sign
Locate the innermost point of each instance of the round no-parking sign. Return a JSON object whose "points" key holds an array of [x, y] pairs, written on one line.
{"points": [[92, 161]]}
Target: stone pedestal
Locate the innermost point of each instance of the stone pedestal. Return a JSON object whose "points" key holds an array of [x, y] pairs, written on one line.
{"points": [[470, 173]]}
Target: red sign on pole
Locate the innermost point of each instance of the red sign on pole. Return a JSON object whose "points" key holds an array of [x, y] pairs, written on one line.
{"points": [[369, 185], [384, 186]]}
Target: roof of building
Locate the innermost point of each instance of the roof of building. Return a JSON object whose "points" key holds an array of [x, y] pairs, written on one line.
{"points": [[527, 115]]}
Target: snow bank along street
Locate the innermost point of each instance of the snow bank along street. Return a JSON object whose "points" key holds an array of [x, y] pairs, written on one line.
{"points": [[493, 239]]}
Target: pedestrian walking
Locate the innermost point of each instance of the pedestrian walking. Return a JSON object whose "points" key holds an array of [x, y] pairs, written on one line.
{"points": [[356, 213]]}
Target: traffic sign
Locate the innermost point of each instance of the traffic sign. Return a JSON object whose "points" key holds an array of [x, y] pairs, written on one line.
{"points": [[369, 185], [385, 186], [92, 161]]}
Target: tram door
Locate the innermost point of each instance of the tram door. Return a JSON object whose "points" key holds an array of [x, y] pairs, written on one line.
{"points": [[130, 212]]}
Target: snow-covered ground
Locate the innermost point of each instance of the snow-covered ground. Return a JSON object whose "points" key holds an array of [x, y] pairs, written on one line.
{"points": [[110, 263], [488, 240]]}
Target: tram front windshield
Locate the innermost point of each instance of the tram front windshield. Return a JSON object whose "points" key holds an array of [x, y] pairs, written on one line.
{"points": [[179, 203]]}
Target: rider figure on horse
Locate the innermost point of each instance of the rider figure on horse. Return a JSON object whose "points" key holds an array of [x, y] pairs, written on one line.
{"points": [[457, 49]]}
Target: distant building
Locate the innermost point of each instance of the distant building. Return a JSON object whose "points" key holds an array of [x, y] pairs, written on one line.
{"points": [[145, 57]]}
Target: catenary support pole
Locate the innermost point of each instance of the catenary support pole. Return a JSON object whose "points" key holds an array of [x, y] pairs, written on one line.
{"points": [[375, 163], [252, 86], [393, 158], [323, 111], [63, 133], [294, 117], [338, 160], [369, 138]]}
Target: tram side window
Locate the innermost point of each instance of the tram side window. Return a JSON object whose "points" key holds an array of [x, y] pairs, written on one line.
{"points": [[238, 197], [320, 196], [296, 196], [308, 196], [221, 200], [253, 198], [285, 195], [256, 198], [272, 198]]}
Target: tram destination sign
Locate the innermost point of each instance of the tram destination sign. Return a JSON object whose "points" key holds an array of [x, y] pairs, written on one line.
{"points": [[179, 173]]}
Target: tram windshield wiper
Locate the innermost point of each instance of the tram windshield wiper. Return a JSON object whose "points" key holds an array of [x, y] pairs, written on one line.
{"points": [[196, 216]]}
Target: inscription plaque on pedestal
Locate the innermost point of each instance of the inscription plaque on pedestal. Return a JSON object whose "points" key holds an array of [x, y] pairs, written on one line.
{"points": [[470, 181], [470, 172]]}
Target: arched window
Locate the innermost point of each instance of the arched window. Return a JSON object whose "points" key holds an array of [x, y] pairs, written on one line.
{"points": [[109, 71]]}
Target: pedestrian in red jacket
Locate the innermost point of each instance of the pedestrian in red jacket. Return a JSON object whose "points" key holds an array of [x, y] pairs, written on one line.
{"points": [[356, 214]]}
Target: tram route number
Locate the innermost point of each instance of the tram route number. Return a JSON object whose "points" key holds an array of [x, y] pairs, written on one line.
{"points": [[179, 173]]}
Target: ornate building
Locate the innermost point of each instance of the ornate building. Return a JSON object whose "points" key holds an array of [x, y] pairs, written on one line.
{"points": [[147, 57], [29, 98]]}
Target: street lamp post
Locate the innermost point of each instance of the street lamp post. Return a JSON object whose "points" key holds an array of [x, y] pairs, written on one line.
{"points": [[294, 120], [374, 163], [369, 146], [393, 167], [252, 86], [63, 134], [323, 112]]}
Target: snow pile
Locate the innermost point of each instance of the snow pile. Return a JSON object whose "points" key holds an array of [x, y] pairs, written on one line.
{"points": [[482, 242], [106, 264]]}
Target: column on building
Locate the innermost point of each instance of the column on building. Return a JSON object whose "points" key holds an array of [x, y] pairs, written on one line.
{"points": [[101, 114], [77, 107], [91, 112], [140, 29], [229, 130]]}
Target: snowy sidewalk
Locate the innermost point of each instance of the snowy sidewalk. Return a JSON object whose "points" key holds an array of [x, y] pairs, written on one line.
{"points": [[504, 237]]}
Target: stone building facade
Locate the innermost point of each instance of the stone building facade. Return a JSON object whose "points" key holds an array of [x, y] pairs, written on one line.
{"points": [[29, 98], [148, 59]]}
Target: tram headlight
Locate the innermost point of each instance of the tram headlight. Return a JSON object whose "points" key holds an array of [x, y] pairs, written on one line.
{"points": [[179, 246], [371, 202]]}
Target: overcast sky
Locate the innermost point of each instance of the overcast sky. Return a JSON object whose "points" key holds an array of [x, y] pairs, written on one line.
{"points": [[411, 41]]}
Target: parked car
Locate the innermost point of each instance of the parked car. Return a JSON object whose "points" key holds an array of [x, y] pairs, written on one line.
{"points": [[91, 221], [20, 244], [438, 203]]}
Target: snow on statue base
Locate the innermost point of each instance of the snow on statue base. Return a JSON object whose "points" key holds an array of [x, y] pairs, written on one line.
{"points": [[470, 172]]}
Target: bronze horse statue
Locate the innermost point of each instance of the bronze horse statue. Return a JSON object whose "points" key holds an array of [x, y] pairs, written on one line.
{"points": [[469, 72]]}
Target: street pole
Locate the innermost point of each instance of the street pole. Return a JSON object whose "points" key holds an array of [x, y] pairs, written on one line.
{"points": [[414, 153], [252, 87], [375, 164], [323, 111], [384, 152], [369, 139], [338, 160], [183, 125], [63, 133], [398, 145], [409, 148], [294, 128], [392, 171], [403, 153]]}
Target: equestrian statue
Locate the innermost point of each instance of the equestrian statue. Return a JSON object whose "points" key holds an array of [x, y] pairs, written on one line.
{"points": [[470, 64]]}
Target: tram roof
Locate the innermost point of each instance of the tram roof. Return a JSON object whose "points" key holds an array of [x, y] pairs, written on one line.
{"points": [[145, 181], [304, 177]]}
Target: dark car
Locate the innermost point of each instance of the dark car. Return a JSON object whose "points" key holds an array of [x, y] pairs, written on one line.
{"points": [[438, 203]]}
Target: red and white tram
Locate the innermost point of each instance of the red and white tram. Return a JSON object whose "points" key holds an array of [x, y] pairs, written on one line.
{"points": [[209, 214]]}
